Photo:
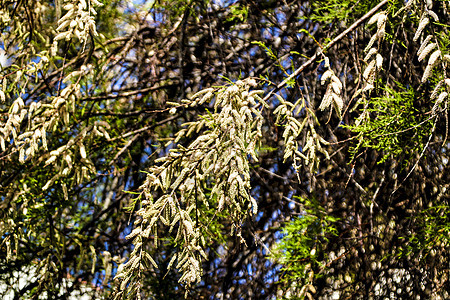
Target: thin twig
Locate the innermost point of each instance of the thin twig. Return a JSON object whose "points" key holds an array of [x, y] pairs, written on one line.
{"points": [[418, 160], [127, 94], [144, 128]]}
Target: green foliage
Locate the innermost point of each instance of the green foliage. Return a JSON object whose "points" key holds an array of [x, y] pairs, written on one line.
{"points": [[269, 51], [301, 250], [238, 13], [395, 124], [335, 10], [433, 232]]}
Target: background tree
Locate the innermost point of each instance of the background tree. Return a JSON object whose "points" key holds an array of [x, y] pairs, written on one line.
{"points": [[121, 119]]}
